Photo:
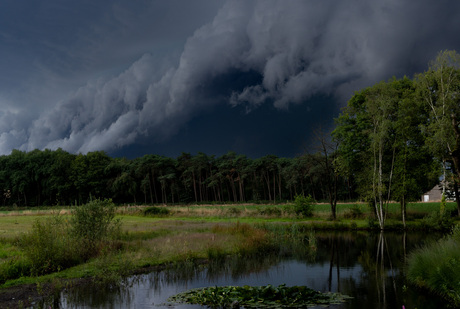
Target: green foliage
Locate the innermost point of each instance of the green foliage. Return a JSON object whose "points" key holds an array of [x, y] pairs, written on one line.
{"points": [[382, 144], [303, 205], [112, 270], [233, 211], [94, 222], [372, 223], [14, 268], [156, 211], [438, 221], [57, 244], [257, 297], [289, 209], [436, 267], [271, 211], [47, 178], [49, 247], [442, 206], [215, 253], [355, 212]]}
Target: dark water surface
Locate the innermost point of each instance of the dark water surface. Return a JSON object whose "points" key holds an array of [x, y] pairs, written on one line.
{"points": [[367, 266]]}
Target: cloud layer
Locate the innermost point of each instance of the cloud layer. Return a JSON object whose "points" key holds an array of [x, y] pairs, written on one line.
{"points": [[297, 48]]}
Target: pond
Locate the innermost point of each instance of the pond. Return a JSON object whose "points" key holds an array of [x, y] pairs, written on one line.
{"points": [[366, 266]]}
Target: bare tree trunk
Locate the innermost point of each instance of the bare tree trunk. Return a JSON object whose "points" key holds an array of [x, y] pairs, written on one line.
{"points": [[150, 188], [194, 187], [456, 159], [267, 180], [457, 197]]}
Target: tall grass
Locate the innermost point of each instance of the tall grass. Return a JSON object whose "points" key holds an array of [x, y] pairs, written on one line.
{"points": [[57, 243], [437, 267], [49, 247]]}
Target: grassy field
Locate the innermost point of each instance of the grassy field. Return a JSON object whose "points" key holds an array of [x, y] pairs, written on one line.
{"points": [[181, 233], [16, 222]]}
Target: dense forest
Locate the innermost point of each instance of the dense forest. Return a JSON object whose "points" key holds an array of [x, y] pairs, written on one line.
{"points": [[393, 141], [58, 177]]}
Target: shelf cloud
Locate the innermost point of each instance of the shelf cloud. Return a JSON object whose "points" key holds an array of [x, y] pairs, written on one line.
{"points": [[292, 50]]}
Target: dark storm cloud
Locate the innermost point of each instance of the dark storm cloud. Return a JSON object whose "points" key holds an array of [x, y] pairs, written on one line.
{"points": [[287, 52]]}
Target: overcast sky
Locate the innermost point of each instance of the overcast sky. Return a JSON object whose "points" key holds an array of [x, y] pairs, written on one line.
{"points": [[165, 77]]}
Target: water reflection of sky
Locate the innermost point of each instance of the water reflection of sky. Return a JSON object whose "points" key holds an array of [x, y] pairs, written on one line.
{"points": [[154, 289], [364, 283]]}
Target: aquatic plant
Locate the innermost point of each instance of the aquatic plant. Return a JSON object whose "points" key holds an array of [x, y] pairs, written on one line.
{"points": [[257, 297]]}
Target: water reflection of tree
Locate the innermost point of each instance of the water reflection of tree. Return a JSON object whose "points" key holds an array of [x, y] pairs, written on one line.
{"points": [[339, 250], [334, 254], [379, 258], [383, 262], [378, 262]]}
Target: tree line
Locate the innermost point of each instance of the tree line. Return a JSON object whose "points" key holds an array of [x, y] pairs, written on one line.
{"points": [[393, 141], [57, 177]]}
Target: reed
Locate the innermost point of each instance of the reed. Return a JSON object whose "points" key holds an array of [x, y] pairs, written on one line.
{"points": [[436, 267]]}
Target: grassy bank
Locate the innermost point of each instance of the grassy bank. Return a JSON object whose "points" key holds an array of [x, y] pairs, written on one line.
{"points": [[150, 237], [437, 268]]}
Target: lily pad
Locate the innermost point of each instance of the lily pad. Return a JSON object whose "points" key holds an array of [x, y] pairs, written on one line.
{"points": [[257, 297]]}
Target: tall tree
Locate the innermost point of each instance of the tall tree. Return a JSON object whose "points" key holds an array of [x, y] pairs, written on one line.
{"points": [[440, 88], [381, 144], [88, 175], [415, 169]]}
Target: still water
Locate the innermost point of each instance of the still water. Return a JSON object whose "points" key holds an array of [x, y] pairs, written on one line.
{"points": [[367, 266]]}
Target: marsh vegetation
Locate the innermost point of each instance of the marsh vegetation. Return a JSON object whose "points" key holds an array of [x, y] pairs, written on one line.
{"points": [[56, 245]]}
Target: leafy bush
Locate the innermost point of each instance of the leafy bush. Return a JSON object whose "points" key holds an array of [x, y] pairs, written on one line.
{"points": [[94, 221], [14, 268], [55, 244], [270, 211], [373, 223], [354, 212], [289, 209], [156, 211], [438, 221], [233, 211], [49, 247], [303, 205]]}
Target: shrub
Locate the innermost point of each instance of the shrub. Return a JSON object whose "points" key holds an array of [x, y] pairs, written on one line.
{"points": [[55, 245], [14, 268], [270, 211], [233, 211], [354, 212], [438, 221], [94, 221], [372, 223], [303, 205], [49, 248], [156, 211], [289, 209]]}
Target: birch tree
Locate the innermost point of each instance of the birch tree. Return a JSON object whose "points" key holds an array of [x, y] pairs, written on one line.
{"points": [[381, 145], [440, 90]]}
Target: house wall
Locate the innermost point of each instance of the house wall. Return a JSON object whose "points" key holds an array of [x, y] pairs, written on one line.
{"points": [[434, 195]]}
